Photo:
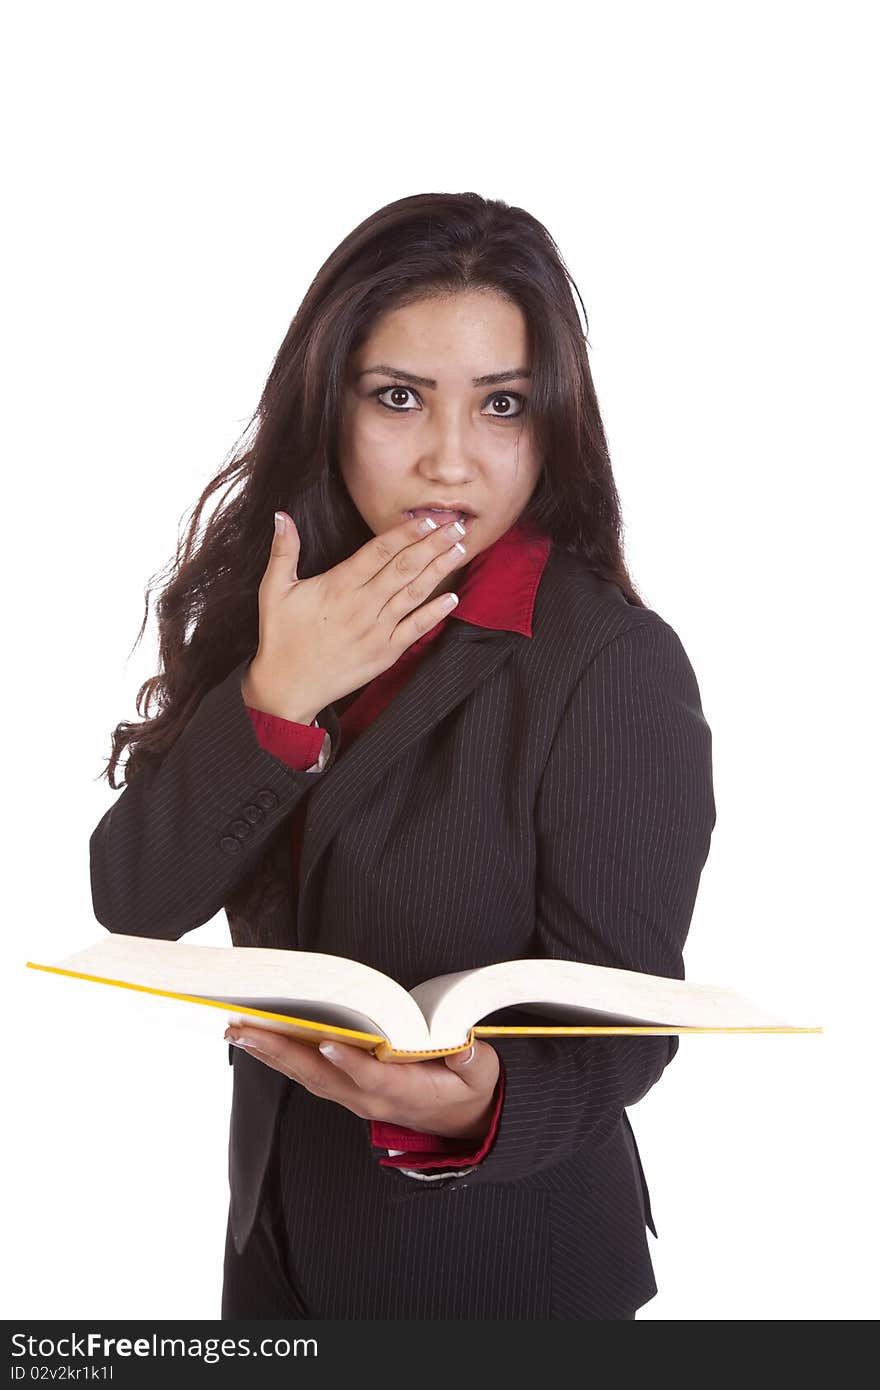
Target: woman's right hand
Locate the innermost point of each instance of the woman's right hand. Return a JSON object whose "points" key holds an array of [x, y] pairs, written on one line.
{"points": [[322, 638]]}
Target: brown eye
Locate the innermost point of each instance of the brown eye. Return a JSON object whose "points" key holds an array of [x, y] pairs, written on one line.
{"points": [[400, 408], [393, 390], [510, 396]]}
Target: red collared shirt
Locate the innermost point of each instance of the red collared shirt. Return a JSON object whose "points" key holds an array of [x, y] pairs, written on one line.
{"points": [[498, 591]]}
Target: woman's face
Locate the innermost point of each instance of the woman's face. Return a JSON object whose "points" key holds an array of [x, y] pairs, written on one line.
{"points": [[408, 443]]}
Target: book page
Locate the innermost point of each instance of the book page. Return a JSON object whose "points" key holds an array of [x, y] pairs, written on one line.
{"points": [[304, 983], [335, 1015], [572, 990]]}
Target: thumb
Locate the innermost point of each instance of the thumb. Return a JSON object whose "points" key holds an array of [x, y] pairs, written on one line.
{"points": [[474, 1064], [284, 555]]}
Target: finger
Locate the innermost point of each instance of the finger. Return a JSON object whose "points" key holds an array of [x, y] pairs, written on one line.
{"points": [[284, 554], [386, 561], [284, 1052], [273, 1043], [402, 589], [297, 1061], [367, 1072]]}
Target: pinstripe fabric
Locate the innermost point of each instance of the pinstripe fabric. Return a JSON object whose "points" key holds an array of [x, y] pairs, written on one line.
{"points": [[519, 796]]}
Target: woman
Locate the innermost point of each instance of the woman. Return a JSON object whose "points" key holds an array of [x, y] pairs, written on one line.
{"points": [[344, 763]]}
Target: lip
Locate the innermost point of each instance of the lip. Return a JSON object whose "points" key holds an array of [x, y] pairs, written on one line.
{"points": [[467, 518]]}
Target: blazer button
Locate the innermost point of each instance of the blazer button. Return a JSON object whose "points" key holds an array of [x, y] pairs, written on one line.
{"points": [[241, 829], [253, 814], [230, 844], [266, 798]]}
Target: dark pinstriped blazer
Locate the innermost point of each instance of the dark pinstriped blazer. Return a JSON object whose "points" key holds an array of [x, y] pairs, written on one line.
{"points": [[543, 796]]}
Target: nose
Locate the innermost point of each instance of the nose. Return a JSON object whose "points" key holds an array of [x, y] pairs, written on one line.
{"points": [[447, 444]]}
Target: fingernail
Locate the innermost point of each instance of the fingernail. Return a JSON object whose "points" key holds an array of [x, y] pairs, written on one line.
{"points": [[241, 1042], [280, 523], [329, 1050]]}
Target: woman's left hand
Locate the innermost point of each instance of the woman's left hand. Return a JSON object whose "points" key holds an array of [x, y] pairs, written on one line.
{"points": [[450, 1096]]}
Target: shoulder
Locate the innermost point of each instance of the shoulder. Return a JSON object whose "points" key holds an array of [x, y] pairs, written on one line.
{"points": [[578, 614], [588, 638]]}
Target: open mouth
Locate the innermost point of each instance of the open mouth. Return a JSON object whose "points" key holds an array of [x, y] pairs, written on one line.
{"points": [[443, 518]]}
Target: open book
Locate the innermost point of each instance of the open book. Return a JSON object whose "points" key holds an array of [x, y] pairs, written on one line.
{"points": [[313, 996]]}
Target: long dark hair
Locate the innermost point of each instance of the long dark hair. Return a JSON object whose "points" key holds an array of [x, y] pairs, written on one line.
{"points": [[286, 458]]}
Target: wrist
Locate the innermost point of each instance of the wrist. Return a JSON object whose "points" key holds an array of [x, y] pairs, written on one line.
{"points": [[257, 693], [479, 1127]]}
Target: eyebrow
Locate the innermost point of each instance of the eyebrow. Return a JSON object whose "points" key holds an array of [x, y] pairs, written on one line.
{"points": [[492, 379]]}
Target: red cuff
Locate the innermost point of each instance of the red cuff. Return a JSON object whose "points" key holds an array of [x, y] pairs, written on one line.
{"points": [[432, 1150], [298, 745]]}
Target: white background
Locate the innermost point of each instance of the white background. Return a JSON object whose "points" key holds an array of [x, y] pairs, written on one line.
{"points": [[176, 174]]}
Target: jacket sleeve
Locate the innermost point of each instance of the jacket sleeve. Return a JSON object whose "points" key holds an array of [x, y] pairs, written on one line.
{"points": [[423, 1150], [623, 820], [165, 857]]}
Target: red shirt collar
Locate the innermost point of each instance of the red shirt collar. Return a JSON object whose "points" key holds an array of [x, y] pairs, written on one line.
{"points": [[499, 585]]}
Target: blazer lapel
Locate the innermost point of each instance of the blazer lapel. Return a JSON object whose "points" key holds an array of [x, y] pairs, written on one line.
{"points": [[463, 657]]}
